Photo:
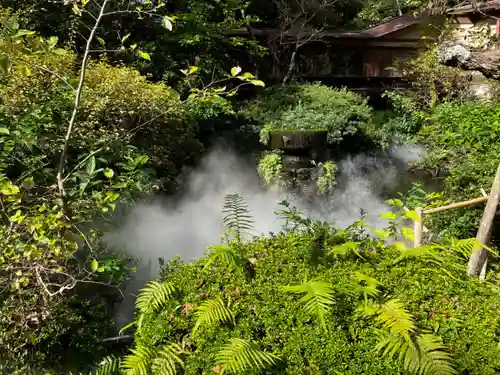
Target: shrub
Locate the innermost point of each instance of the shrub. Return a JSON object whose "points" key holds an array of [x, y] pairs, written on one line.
{"points": [[462, 145], [312, 299], [312, 107]]}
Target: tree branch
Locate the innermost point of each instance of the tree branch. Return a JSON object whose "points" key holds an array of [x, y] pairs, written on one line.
{"points": [[62, 160]]}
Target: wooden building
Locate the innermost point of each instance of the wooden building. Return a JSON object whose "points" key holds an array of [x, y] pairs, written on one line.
{"points": [[364, 60]]}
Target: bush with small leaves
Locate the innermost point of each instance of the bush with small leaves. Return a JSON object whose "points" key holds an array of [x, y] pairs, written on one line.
{"points": [[313, 298]]}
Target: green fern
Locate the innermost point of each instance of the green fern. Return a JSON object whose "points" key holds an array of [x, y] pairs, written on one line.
{"points": [[346, 249], [139, 362], [108, 366], [239, 355], [212, 311], [237, 216], [423, 354], [154, 296], [318, 297], [394, 318], [433, 358], [224, 253], [366, 285], [167, 360]]}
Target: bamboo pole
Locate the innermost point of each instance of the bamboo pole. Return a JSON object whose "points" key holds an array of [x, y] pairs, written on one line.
{"points": [[418, 227], [456, 205], [477, 261]]}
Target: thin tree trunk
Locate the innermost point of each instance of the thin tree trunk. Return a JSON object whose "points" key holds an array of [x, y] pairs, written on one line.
{"points": [[479, 256], [291, 66], [76, 105]]}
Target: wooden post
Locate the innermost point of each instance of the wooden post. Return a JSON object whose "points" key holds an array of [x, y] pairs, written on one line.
{"points": [[418, 228], [479, 255]]}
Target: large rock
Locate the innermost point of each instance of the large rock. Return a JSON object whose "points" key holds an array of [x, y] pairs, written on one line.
{"points": [[486, 62]]}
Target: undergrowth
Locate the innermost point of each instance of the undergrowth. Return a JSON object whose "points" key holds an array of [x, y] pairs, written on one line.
{"points": [[313, 299]]}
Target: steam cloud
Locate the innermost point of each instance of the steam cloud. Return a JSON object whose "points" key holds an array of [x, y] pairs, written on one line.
{"points": [[186, 225]]}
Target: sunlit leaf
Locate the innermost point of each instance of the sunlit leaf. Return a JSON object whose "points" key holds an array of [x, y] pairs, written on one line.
{"points": [[167, 23], [94, 265], [109, 173], [257, 82], [144, 55], [388, 216], [235, 71], [124, 39], [100, 40]]}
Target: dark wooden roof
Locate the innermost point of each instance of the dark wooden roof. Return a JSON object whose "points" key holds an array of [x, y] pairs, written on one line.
{"points": [[374, 32]]}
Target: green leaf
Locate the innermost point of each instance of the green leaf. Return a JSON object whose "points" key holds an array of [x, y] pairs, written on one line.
{"points": [[100, 40], [192, 69], [235, 71], [389, 216], [124, 39], [109, 173], [8, 188], [167, 23], [144, 55], [91, 165], [133, 47], [239, 355], [94, 265], [382, 233], [412, 215], [257, 82], [4, 131]]}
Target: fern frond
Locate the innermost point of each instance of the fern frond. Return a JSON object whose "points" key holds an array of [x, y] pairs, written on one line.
{"points": [[237, 216], [426, 252], [390, 346], [239, 355], [318, 297], [212, 311], [345, 249], [167, 360], [139, 362], [423, 355], [108, 366], [154, 296], [393, 316], [224, 253], [434, 360], [366, 285]]}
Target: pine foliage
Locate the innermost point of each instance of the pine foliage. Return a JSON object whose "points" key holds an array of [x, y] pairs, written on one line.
{"points": [[154, 296], [212, 311], [239, 355], [318, 298], [237, 216]]}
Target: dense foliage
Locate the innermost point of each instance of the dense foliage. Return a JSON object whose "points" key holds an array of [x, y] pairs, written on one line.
{"points": [[79, 137], [315, 299], [65, 166], [311, 107]]}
